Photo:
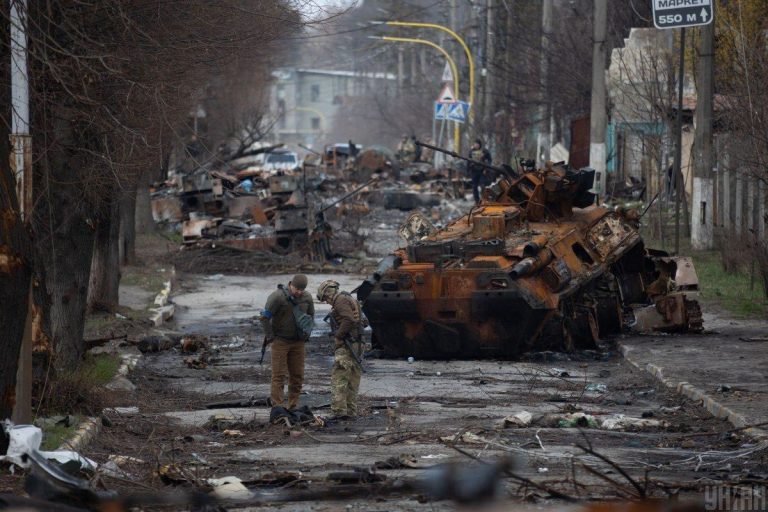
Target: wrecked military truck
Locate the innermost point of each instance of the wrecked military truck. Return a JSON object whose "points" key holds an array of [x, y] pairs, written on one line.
{"points": [[535, 266]]}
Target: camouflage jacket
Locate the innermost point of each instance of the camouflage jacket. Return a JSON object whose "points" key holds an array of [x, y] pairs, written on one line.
{"points": [[347, 321]]}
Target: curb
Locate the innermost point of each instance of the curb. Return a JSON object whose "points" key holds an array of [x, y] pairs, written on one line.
{"points": [[86, 431], [91, 427], [690, 391], [164, 309]]}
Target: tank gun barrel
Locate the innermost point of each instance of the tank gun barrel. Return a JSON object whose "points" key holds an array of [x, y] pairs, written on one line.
{"points": [[358, 189], [310, 150], [506, 170]]}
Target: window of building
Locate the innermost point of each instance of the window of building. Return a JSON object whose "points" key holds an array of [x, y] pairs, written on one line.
{"points": [[281, 91], [337, 100], [314, 93], [315, 123], [281, 113]]}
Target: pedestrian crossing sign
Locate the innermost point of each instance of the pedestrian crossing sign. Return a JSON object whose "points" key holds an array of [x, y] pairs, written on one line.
{"points": [[441, 111], [458, 111]]}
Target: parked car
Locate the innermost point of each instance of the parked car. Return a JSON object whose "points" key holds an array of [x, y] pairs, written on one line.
{"points": [[281, 161]]}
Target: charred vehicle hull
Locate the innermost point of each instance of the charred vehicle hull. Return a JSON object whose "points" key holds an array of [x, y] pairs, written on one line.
{"points": [[534, 267]]}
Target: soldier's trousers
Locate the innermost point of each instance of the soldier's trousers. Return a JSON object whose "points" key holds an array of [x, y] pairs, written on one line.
{"points": [[345, 382], [287, 361]]}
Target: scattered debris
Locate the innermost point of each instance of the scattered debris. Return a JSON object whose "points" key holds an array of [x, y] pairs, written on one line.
{"points": [[465, 437], [229, 488], [197, 363], [621, 422], [519, 419], [193, 343], [596, 388], [359, 476], [576, 419], [157, 343]]}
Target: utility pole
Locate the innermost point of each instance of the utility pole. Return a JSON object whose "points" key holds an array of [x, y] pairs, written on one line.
{"points": [[598, 114], [490, 77], [543, 142], [507, 86], [703, 204], [400, 70], [679, 143], [21, 160]]}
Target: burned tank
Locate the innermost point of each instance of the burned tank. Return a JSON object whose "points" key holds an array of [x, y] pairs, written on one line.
{"points": [[535, 266]]}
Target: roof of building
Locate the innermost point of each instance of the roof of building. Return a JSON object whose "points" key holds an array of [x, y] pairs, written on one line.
{"points": [[341, 73]]}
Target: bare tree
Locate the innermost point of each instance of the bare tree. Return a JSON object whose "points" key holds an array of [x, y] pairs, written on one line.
{"points": [[742, 100], [112, 85]]}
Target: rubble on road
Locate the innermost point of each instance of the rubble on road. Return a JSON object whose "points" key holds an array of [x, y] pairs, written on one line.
{"points": [[248, 205]]}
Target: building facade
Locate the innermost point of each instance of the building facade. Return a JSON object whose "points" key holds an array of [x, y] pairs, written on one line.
{"points": [[303, 102]]}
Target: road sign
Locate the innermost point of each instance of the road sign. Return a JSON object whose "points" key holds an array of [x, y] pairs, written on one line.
{"points": [[441, 111], [458, 111], [446, 95], [681, 13], [447, 74]]}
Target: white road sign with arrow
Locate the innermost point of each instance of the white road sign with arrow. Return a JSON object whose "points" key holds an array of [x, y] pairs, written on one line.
{"points": [[681, 13]]}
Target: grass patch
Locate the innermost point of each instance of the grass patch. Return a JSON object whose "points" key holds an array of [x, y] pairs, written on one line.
{"points": [[149, 280], [100, 368], [99, 321], [54, 435], [172, 236], [80, 390], [735, 292]]}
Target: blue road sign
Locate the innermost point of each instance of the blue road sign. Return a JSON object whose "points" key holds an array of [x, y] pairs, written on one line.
{"points": [[458, 111], [441, 111]]}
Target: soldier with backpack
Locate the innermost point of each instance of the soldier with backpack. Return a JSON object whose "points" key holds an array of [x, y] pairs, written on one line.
{"points": [[347, 324], [287, 319]]}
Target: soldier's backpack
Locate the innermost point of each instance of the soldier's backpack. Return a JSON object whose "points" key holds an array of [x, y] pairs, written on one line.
{"points": [[304, 322]]}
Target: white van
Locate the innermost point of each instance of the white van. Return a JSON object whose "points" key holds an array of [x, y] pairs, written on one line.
{"points": [[281, 161]]}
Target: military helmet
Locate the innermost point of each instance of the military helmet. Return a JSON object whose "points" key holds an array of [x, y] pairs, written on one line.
{"points": [[325, 287]]}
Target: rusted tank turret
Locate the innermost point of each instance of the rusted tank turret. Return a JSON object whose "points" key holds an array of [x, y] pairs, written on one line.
{"points": [[535, 266]]}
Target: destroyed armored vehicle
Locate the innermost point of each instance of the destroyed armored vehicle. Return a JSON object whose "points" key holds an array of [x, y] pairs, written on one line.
{"points": [[535, 266], [372, 161]]}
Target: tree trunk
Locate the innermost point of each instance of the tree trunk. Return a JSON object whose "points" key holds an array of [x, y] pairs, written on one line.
{"points": [[105, 265], [15, 271], [65, 249], [144, 221], [128, 227]]}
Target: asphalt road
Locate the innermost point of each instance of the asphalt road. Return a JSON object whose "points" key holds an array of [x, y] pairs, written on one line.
{"points": [[416, 415]]}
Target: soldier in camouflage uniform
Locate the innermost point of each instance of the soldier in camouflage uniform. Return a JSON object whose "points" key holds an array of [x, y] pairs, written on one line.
{"points": [[347, 324]]}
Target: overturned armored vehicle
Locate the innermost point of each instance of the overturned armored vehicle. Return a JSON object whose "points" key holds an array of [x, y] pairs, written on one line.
{"points": [[536, 266]]}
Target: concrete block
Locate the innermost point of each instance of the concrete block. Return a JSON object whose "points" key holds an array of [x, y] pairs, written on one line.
{"points": [[162, 314]]}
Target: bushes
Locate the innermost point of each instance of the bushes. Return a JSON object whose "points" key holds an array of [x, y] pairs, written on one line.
{"points": [[80, 390]]}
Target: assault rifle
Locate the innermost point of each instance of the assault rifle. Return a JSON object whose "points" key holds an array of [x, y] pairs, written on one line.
{"points": [[263, 349], [329, 320]]}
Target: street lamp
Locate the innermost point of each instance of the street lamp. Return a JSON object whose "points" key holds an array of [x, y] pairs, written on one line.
{"points": [[458, 39], [451, 62]]}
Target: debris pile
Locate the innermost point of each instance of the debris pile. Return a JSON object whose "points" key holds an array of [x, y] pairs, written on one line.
{"points": [[269, 201]]}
